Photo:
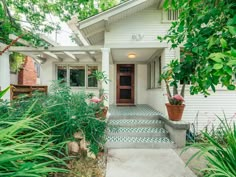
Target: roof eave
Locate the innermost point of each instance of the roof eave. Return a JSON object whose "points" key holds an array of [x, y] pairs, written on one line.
{"points": [[106, 14]]}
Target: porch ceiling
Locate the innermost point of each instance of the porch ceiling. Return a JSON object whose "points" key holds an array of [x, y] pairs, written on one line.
{"points": [[142, 55]]}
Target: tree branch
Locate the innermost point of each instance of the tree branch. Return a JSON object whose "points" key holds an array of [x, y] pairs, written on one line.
{"points": [[11, 44], [8, 12]]}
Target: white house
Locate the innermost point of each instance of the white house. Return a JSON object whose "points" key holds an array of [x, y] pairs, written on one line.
{"points": [[122, 41]]}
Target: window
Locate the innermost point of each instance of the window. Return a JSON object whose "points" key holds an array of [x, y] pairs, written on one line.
{"points": [[92, 81], [62, 73], [77, 75], [170, 15], [37, 69], [154, 73], [173, 15]]}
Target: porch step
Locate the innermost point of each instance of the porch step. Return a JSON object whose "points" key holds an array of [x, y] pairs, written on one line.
{"points": [[154, 123], [137, 131], [136, 117], [117, 142]]}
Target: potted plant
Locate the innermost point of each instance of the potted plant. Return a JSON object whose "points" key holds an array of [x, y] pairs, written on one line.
{"points": [[98, 102], [172, 77]]}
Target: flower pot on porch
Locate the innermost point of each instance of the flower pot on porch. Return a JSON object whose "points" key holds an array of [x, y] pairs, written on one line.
{"points": [[175, 112], [102, 113]]}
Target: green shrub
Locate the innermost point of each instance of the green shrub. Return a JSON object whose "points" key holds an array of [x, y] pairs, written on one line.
{"points": [[67, 112], [27, 150], [220, 154]]}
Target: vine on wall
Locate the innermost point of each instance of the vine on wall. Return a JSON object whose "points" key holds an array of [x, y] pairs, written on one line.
{"points": [[16, 62]]}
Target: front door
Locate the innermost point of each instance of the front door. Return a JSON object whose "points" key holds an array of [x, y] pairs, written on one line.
{"points": [[125, 84]]}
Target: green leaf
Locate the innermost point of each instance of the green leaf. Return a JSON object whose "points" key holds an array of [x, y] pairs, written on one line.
{"points": [[232, 21], [217, 66], [217, 57], [2, 93], [229, 70], [232, 30], [195, 50], [213, 88], [231, 87], [223, 43], [212, 41], [232, 63], [166, 4], [233, 52], [181, 27]]}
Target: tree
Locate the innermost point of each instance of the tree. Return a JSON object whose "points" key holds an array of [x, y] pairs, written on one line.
{"points": [[39, 16], [207, 30]]}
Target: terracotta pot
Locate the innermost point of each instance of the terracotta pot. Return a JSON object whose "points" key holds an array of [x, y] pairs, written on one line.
{"points": [[102, 113], [175, 112]]}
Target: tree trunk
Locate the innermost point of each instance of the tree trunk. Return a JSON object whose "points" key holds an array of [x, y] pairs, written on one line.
{"points": [[175, 90], [168, 92], [182, 90]]}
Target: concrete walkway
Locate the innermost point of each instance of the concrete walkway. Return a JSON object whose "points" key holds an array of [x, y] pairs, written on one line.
{"points": [[146, 163]]}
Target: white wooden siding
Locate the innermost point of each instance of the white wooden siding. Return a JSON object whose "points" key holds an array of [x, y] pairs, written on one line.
{"points": [[147, 22], [141, 84]]}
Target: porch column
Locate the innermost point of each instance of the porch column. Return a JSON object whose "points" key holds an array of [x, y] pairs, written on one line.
{"points": [[5, 73], [105, 68]]}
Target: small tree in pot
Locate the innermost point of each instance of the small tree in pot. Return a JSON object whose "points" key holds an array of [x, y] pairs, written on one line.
{"points": [[172, 77]]}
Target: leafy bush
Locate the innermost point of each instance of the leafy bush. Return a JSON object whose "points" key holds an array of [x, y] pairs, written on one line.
{"points": [[26, 150], [67, 112], [219, 153]]}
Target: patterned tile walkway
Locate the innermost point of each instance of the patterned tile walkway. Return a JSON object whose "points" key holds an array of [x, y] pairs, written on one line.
{"points": [[139, 139], [138, 110]]}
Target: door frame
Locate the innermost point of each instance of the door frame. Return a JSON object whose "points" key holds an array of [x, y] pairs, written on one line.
{"points": [[133, 78]]}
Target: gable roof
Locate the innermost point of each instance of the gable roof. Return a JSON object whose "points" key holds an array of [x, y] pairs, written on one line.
{"points": [[94, 27]]}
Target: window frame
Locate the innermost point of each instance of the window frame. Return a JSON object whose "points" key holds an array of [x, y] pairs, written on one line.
{"points": [[87, 77], [68, 74], [153, 73], [68, 81], [170, 15]]}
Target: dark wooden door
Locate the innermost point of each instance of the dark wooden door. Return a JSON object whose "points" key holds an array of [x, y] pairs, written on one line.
{"points": [[125, 84]]}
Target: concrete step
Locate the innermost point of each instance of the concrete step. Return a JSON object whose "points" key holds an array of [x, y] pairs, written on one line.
{"points": [[120, 142], [137, 131], [155, 123]]}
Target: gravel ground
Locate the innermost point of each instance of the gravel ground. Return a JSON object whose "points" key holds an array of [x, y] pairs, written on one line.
{"points": [[86, 167]]}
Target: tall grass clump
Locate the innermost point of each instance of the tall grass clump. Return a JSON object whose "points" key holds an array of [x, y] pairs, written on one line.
{"points": [[26, 148], [67, 112], [219, 153]]}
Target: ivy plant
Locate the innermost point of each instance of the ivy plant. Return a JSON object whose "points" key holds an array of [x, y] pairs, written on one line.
{"points": [[16, 61], [207, 30]]}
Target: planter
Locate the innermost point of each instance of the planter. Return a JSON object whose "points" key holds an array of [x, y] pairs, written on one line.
{"points": [[102, 113], [175, 112]]}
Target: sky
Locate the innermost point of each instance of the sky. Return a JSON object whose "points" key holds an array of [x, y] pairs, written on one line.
{"points": [[63, 36]]}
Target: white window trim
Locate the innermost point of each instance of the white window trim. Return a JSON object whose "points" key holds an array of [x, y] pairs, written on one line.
{"points": [[153, 75], [68, 74], [165, 16]]}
